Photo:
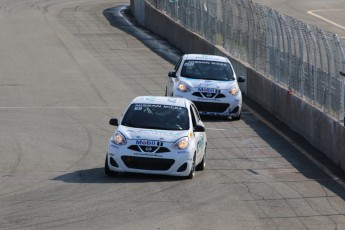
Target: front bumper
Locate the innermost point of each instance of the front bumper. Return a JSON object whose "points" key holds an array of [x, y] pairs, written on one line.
{"points": [[229, 106], [176, 163]]}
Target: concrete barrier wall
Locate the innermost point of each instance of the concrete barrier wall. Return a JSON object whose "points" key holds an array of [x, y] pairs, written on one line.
{"points": [[137, 7], [322, 131]]}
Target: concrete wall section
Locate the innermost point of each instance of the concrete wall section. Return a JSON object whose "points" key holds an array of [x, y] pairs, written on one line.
{"points": [[323, 132], [137, 7], [185, 40]]}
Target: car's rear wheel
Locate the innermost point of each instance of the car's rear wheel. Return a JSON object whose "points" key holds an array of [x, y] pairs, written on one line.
{"points": [[107, 169]]}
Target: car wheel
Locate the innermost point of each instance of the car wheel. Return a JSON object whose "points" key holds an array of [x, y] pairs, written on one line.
{"points": [[192, 170], [107, 169], [236, 118], [201, 166]]}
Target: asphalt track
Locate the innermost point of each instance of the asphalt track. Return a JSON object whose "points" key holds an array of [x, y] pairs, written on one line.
{"points": [[66, 69], [328, 15]]}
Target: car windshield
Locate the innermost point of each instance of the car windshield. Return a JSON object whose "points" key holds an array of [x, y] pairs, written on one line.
{"points": [[208, 70], [156, 116]]}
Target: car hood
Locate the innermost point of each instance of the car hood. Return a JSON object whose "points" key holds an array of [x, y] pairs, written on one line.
{"points": [[195, 83], [152, 134]]}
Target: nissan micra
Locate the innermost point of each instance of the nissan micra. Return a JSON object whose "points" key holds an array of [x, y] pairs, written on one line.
{"points": [[210, 82], [158, 135]]}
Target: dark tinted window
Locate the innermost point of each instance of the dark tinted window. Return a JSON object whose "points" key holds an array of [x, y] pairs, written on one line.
{"points": [[156, 116], [210, 70], [196, 113], [194, 119]]}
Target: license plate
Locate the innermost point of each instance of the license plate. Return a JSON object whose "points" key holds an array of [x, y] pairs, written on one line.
{"points": [[208, 90]]}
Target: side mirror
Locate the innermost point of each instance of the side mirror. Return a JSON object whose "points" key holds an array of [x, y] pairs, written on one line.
{"points": [[241, 79], [199, 128], [172, 74], [114, 122]]}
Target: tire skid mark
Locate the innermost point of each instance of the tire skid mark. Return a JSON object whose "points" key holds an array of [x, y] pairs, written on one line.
{"points": [[19, 151], [329, 202], [331, 205], [14, 6], [37, 5], [89, 144], [223, 174], [76, 10], [288, 203]]}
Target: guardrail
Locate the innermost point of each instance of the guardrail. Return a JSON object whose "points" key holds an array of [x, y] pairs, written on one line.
{"points": [[323, 131], [302, 58]]}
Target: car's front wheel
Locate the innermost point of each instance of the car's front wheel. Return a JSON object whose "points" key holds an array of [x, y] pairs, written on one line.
{"points": [[107, 169], [237, 118], [201, 166], [192, 170]]}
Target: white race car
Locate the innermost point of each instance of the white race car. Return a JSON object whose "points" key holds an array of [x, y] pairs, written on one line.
{"points": [[210, 82], [157, 135]]}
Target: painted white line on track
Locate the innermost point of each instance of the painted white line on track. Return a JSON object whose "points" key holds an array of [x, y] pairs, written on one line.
{"points": [[215, 129], [312, 12]]}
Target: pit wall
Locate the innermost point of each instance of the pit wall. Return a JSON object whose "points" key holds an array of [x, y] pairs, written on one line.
{"points": [[323, 132]]}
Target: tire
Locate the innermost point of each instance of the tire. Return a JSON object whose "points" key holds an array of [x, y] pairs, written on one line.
{"points": [[192, 170], [236, 118], [201, 166], [107, 170]]}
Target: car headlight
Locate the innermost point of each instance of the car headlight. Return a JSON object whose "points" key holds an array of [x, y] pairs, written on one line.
{"points": [[183, 87], [181, 143], [234, 90], [118, 139]]}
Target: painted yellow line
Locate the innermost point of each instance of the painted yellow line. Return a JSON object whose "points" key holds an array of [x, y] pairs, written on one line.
{"points": [[312, 12]]}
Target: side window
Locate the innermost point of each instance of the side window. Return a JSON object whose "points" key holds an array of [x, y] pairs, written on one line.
{"points": [[196, 113], [195, 116]]}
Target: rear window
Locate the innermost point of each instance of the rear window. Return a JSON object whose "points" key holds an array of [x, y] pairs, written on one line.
{"points": [[208, 70], [156, 116]]}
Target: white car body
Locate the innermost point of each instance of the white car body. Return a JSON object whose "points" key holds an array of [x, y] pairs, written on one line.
{"points": [[152, 149], [210, 82]]}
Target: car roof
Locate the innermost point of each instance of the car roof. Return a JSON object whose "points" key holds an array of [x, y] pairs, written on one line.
{"points": [[206, 57], [174, 101]]}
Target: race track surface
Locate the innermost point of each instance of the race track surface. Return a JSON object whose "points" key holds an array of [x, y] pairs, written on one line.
{"points": [[65, 71], [327, 15]]}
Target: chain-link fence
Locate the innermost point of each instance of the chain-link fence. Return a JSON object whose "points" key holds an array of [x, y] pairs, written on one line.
{"points": [[300, 57]]}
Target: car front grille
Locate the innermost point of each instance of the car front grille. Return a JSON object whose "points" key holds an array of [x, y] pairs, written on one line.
{"points": [[149, 149], [211, 107], [147, 163], [208, 95]]}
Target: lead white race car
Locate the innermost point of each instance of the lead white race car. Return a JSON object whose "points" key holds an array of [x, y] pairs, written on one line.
{"points": [[158, 135], [210, 82]]}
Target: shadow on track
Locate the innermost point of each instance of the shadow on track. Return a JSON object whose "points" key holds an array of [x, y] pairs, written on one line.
{"points": [[97, 176], [121, 18]]}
